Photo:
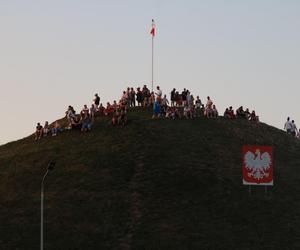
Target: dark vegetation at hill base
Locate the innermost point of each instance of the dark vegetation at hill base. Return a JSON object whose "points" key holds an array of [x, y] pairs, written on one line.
{"points": [[154, 184]]}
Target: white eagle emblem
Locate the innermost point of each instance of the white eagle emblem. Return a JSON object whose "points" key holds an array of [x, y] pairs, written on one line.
{"points": [[258, 165]]}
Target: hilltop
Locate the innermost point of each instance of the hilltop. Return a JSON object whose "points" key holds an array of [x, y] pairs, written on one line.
{"points": [[153, 184]]}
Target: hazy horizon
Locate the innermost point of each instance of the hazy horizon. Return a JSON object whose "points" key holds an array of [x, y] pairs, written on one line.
{"points": [[61, 53]]}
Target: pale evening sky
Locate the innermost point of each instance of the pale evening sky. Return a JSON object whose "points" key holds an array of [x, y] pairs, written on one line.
{"points": [[55, 53]]}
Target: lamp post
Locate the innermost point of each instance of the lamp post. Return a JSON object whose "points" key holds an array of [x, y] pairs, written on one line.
{"points": [[49, 168]]}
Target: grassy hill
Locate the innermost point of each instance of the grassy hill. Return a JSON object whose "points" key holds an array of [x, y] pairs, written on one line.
{"points": [[154, 184]]}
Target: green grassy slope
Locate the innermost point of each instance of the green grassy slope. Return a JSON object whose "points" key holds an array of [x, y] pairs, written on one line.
{"points": [[154, 184]]}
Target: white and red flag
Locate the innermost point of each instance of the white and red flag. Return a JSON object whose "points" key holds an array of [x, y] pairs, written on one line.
{"points": [[257, 165], [153, 29]]}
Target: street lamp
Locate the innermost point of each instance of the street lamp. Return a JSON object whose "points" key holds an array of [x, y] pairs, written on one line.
{"points": [[49, 168]]}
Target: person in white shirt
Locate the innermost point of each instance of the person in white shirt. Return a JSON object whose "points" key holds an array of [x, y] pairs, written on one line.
{"points": [[198, 103], [164, 101], [288, 126], [188, 97], [158, 94], [208, 107], [93, 110]]}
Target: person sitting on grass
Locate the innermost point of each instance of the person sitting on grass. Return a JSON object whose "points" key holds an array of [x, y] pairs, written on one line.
{"points": [[240, 113], [254, 117], [198, 102], [231, 113], [198, 110], [38, 132], [171, 113], [75, 123], [56, 128], [46, 129], [70, 113], [101, 110], [226, 114], [164, 101], [86, 122], [109, 109], [202, 110], [177, 113], [163, 110], [168, 112], [187, 112]]}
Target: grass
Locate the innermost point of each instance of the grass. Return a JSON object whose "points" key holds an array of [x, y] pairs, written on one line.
{"points": [[154, 184]]}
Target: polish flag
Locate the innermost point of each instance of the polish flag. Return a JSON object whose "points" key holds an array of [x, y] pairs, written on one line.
{"points": [[153, 29]]}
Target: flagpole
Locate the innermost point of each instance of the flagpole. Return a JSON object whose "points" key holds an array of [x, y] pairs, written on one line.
{"points": [[152, 61]]}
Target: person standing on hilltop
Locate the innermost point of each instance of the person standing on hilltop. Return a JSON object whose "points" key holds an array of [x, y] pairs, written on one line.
{"points": [[46, 129], [158, 94], [183, 97], [132, 97], [208, 107], [146, 96], [294, 129], [198, 106], [288, 126], [97, 100], [156, 109], [139, 97], [38, 132], [188, 98], [173, 99]]}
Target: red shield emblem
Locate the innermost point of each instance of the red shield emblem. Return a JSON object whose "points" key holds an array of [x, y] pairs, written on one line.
{"points": [[257, 165]]}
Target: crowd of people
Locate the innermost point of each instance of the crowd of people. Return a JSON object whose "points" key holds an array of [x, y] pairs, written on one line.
{"points": [[84, 120], [241, 113], [182, 105]]}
